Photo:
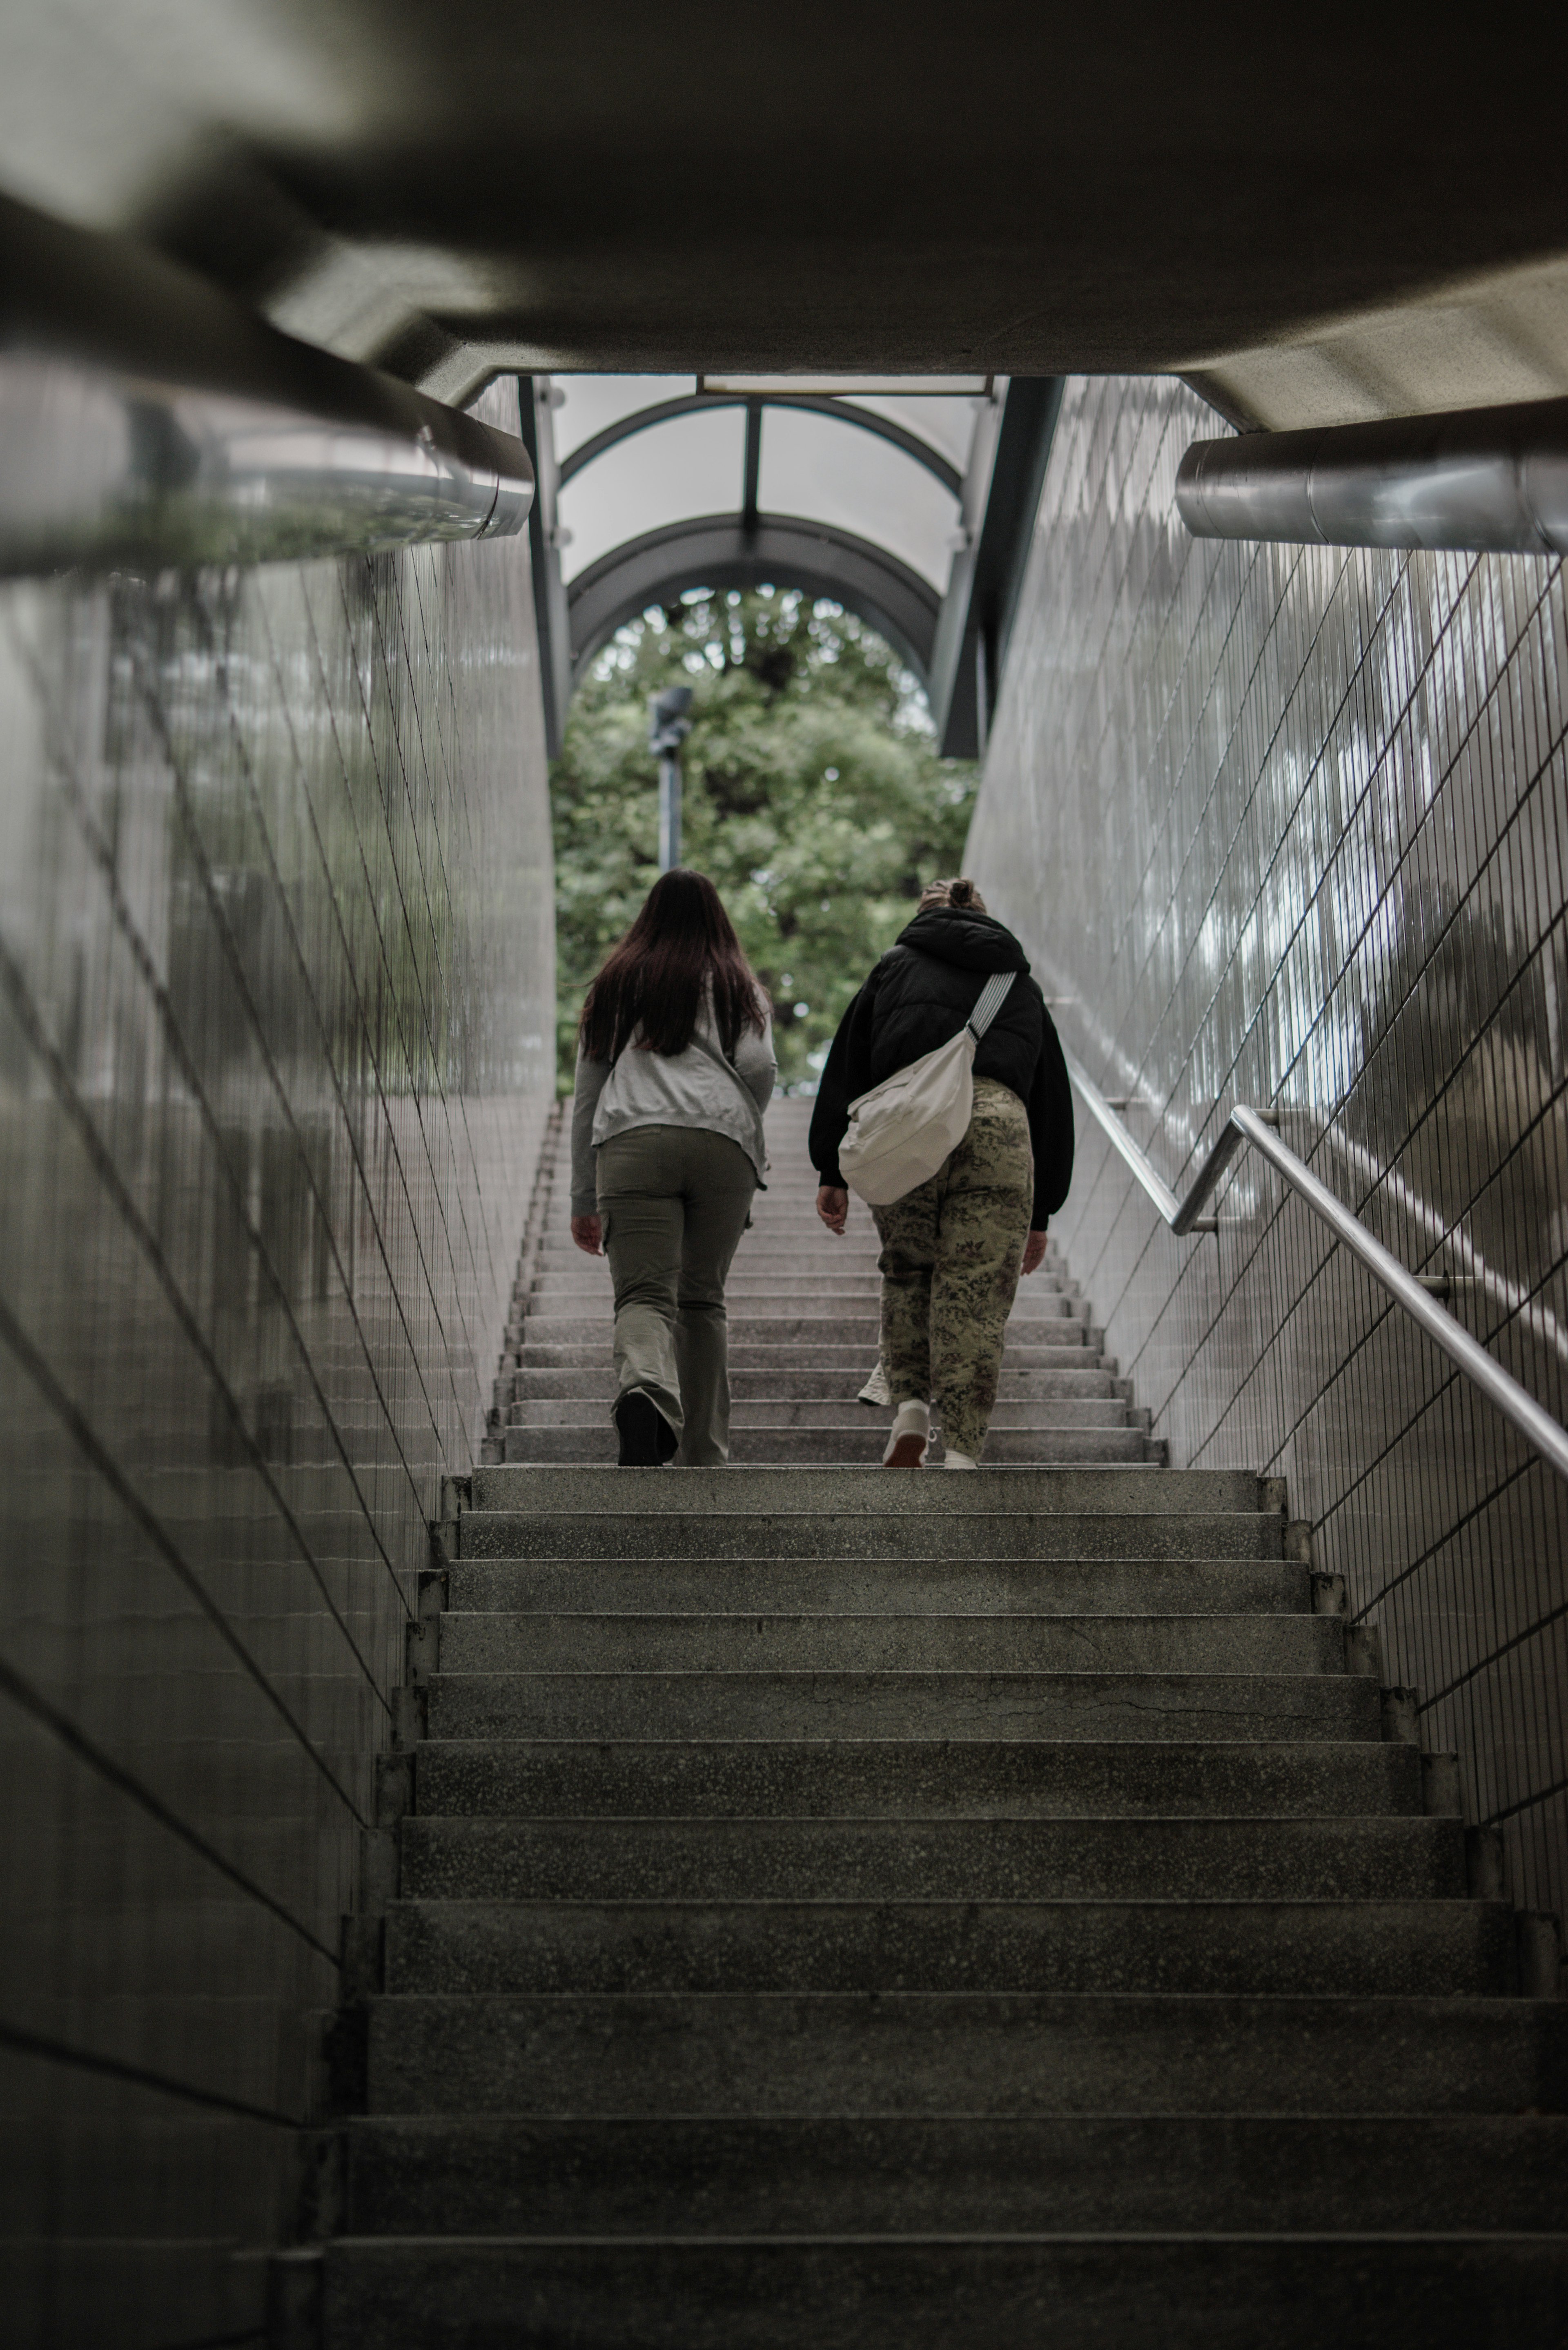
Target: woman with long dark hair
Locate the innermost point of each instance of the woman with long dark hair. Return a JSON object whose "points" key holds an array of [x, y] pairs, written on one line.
{"points": [[675, 1067]]}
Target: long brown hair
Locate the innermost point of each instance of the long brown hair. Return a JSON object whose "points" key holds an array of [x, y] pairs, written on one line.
{"points": [[655, 978]]}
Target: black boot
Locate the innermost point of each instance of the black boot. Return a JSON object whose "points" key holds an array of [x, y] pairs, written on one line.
{"points": [[647, 1438]]}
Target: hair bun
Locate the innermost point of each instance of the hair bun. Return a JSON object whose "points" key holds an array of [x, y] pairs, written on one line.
{"points": [[960, 893]]}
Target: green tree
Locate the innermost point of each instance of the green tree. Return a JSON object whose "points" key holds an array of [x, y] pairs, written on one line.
{"points": [[813, 799]]}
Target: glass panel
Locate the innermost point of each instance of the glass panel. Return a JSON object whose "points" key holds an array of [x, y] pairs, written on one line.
{"points": [[691, 466], [947, 424], [827, 472], [593, 402]]}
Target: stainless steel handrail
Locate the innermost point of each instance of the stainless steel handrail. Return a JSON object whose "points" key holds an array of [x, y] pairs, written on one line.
{"points": [[150, 423], [100, 470], [1473, 478], [1501, 1389]]}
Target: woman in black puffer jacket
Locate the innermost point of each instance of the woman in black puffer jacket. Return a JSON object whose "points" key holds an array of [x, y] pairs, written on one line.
{"points": [[953, 1248]]}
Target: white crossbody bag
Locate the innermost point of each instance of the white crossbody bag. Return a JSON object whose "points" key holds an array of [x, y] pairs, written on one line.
{"points": [[900, 1132]]}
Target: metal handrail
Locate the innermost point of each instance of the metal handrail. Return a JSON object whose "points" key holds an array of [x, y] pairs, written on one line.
{"points": [[1517, 1405]]}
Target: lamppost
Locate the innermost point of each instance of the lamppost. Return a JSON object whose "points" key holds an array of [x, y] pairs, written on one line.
{"points": [[668, 727]]}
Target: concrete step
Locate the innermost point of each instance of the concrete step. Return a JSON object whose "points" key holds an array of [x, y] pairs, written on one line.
{"points": [[1217, 1948], [777, 1231], [782, 1261], [747, 1279], [840, 1492], [533, 1642], [846, 1296], [578, 1329], [774, 1238], [813, 1443], [1071, 1346], [1053, 1413], [779, 1228], [1027, 1447], [1095, 2293], [572, 1293], [788, 1270], [787, 1247], [771, 1858], [648, 1534], [1135, 1706], [984, 2052], [823, 1383], [782, 1199], [792, 1256], [953, 2175], [913, 1586], [970, 1777], [807, 1312]]}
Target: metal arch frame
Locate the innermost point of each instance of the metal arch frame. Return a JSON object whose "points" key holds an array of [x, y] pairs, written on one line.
{"points": [[778, 550], [1000, 500], [1412, 1291], [814, 403]]}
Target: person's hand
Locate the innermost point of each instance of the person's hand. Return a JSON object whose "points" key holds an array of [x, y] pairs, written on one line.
{"points": [[588, 1232], [1034, 1253], [833, 1207]]}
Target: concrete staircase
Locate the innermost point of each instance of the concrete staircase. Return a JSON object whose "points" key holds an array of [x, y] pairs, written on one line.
{"points": [[802, 1341], [832, 1910]]}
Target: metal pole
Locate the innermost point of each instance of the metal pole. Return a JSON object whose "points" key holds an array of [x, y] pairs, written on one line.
{"points": [[668, 727], [668, 811]]}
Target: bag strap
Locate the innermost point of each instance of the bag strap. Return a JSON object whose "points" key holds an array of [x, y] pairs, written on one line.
{"points": [[988, 1002]]}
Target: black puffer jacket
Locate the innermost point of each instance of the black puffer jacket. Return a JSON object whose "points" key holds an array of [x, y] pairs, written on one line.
{"points": [[918, 996]]}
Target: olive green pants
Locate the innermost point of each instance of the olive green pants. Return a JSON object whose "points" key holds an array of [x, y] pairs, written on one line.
{"points": [[951, 1253], [673, 1202]]}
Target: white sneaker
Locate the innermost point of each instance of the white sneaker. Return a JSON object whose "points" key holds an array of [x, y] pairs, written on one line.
{"points": [[952, 1459], [876, 1389], [911, 1438]]}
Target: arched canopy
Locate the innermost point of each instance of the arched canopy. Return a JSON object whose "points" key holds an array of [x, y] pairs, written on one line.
{"points": [[718, 551], [890, 496], [844, 412]]}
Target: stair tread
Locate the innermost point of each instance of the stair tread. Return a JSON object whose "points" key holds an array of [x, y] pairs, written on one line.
{"points": [[1412, 1945], [503, 2175]]}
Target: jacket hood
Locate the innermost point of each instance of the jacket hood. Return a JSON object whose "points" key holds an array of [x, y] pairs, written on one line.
{"points": [[962, 935]]}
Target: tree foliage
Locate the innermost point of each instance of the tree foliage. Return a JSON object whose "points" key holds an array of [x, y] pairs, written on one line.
{"points": [[813, 799]]}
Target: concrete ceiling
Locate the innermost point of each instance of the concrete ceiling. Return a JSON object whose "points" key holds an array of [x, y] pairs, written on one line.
{"points": [[1316, 217]]}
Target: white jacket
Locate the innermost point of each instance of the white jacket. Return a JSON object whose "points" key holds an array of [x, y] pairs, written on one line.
{"points": [[643, 1089]]}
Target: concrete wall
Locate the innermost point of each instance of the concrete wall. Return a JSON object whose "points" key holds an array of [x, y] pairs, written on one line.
{"points": [[276, 1044], [1291, 825]]}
